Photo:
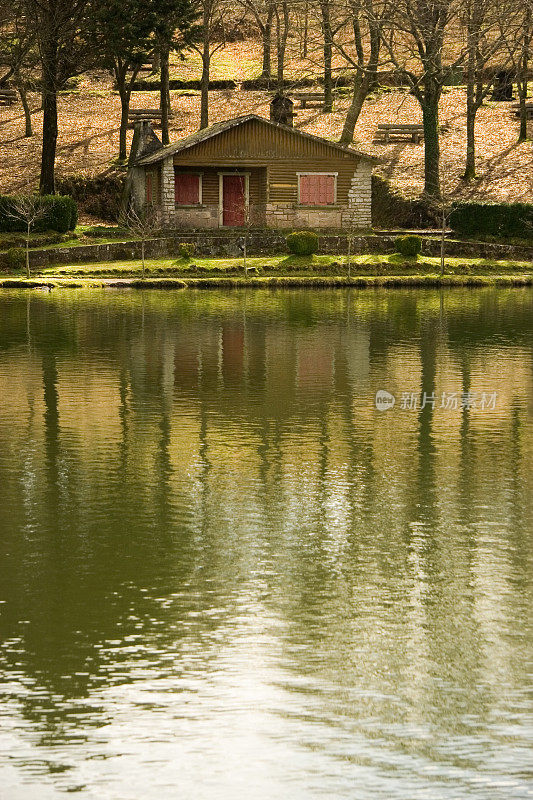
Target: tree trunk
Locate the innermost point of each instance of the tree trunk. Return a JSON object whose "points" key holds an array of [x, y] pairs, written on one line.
{"points": [[443, 241], [471, 109], [522, 74], [48, 157], [470, 165], [124, 112], [282, 31], [204, 100], [327, 35], [430, 116], [28, 231], [266, 35], [352, 115], [27, 113], [366, 77], [305, 43], [165, 94]]}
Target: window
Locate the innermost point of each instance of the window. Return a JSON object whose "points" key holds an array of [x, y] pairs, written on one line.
{"points": [[317, 189], [187, 189]]}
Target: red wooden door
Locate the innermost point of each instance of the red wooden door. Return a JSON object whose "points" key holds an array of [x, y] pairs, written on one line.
{"points": [[233, 200]]}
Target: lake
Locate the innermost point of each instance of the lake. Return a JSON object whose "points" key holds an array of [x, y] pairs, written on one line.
{"points": [[228, 571]]}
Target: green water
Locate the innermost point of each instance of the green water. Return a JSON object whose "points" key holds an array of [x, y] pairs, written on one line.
{"points": [[225, 574]]}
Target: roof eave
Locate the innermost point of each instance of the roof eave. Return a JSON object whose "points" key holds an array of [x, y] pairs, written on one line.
{"points": [[179, 147]]}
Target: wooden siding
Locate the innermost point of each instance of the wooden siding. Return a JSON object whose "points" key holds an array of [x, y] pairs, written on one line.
{"points": [[153, 185], [283, 154], [210, 184]]}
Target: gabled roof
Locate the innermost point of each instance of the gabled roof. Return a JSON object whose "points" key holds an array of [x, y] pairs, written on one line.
{"points": [[219, 127]]}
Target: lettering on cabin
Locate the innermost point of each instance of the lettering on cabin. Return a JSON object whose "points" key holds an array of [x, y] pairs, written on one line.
{"points": [[247, 154]]}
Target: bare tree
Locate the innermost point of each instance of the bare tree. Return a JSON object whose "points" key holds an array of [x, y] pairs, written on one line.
{"points": [[210, 39], [174, 32], [60, 28], [263, 13], [27, 209], [18, 52], [142, 222], [485, 27], [524, 57], [414, 37], [327, 37], [366, 18], [282, 15]]}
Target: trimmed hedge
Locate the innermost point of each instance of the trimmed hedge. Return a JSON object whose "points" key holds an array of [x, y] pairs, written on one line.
{"points": [[143, 85], [302, 243], [60, 214], [408, 246], [493, 219], [186, 250]]}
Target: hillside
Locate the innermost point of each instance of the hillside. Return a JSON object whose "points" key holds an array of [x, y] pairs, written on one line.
{"points": [[89, 119]]}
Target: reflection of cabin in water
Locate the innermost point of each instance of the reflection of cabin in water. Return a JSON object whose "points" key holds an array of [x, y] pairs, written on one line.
{"points": [[252, 171]]}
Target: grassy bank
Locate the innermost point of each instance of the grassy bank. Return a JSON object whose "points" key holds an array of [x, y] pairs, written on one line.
{"points": [[363, 270]]}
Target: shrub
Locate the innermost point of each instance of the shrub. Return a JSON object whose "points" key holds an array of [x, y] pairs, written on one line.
{"points": [[302, 243], [15, 258], [504, 220], [61, 212], [389, 209], [60, 215], [408, 246], [186, 250], [100, 197]]}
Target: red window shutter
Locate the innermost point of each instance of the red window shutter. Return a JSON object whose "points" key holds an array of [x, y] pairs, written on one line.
{"points": [[305, 189], [186, 189], [317, 190], [148, 187]]}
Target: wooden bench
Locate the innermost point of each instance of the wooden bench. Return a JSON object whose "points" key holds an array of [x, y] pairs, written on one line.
{"points": [[529, 109], [152, 115], [387, 130], [8, 96], [309, 99]]}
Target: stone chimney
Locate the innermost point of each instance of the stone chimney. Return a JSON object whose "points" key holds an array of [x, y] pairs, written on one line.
{"points": [[144, 141], [281, 110]]}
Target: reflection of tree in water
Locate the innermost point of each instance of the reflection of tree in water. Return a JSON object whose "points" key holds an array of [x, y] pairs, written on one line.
{"points": [[134, 536]]}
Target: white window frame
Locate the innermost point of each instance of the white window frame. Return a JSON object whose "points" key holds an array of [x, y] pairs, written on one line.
{"points": [[200, 176], [246, 176], [314, 205]]}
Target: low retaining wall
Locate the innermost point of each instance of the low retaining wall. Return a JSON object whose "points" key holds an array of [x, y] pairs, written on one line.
{"points": [[263, 242], [87, 253]]}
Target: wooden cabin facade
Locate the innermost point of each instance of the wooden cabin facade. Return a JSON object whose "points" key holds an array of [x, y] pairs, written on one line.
{"points": [[253, 172]]}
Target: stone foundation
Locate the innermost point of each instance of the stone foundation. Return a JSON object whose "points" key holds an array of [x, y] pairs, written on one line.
{"points": [[192, 218]]}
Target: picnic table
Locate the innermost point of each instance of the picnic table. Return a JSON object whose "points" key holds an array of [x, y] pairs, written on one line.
{"points": [[153, 115], [529, 109], [388, 130], [309, 99], [8, 96]]}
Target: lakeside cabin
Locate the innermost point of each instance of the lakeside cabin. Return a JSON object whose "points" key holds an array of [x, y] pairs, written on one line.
{"points": [[251, 171]]}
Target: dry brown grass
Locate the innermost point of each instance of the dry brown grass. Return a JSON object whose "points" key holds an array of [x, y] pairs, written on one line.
{"points": [[89, 118]]}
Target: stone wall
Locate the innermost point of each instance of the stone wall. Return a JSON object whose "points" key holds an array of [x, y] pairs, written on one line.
{"points": [[359, 211], [167, 190], [264, 241]]}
